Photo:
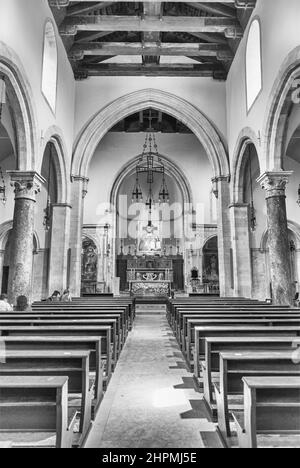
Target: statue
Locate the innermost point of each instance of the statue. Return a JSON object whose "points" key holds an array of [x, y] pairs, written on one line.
{"points": [[150, 242]]}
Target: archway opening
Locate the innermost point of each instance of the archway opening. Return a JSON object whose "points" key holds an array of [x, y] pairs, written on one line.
{"points": [[180, 226]]}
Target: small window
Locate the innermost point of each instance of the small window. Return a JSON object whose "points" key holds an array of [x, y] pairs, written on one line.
{"points": [[49, 74], [253, 64]]}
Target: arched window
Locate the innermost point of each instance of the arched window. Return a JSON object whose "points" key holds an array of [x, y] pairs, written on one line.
{"points": [[49, 74], [253, 63]]}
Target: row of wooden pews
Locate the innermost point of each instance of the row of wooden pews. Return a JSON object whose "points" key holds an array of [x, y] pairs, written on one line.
{"points": [[245, 357], [56, 362]]}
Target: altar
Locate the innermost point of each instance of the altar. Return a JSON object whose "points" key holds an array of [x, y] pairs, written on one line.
{"points": [[150, 288]]}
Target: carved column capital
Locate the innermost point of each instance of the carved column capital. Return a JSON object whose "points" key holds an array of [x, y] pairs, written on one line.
{"points": [[274, 183], [215, 183], [27, 184], [84, 181]]}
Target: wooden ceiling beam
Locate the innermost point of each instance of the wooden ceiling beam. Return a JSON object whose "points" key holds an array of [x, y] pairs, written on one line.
{"points": [[86, 7], [237, 3], [215, 8], [228, 26], [78, 52], [197, 70], [153, 10]]}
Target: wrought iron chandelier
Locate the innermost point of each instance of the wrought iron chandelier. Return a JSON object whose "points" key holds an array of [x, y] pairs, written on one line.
{"points": [[48, 209], [253, 222], [2, 102], [150, 162], [2, 188]]}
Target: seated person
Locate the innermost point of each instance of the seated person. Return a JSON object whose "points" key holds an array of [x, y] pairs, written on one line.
{"points": [[22, 304], [55, 297], [66, 296], [4, 305]]}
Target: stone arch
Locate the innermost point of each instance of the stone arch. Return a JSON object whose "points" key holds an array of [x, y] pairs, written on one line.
{"points": [[54, 136], [278, 110], [209, 238], [5, 229], [21, 101], [171, 169], [247, 137], [135, 102], [292, 227]]}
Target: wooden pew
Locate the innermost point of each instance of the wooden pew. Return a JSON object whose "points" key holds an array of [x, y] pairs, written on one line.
{"points": [[234, 322], [237, 331], [105, 332], [72, 364], [180, 312], [35, 405], [57, 320], [236, 365], [180, 328], [92, 344], [271, 407], [85, 307], [83, 319], [215, 345]]}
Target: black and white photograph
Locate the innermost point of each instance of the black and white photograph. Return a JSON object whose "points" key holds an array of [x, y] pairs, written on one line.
{"points": [[149, 227]]}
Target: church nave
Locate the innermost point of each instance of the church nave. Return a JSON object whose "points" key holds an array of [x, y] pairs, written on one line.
{"points": [[152, 401]]}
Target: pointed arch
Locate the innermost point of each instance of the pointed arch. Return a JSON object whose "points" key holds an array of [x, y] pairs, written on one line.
{"points": [[188, 114]]}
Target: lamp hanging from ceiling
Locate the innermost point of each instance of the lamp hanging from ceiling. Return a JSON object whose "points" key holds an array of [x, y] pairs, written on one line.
{"points": [[150, 162], [48, 209], [253, 222], [2, 102]]}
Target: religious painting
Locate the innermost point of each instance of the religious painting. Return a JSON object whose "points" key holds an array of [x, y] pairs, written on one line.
{"points": [[211, 261], [89, 265]]}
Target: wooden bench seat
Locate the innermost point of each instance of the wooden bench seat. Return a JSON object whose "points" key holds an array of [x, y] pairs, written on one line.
{"points": [[236, 365], [236, 331], [215, 345], [271, 407], [105, 332], [235, 322], [57, 321], [176, 320], [72, 364], [180, 328], [92, 344], [57, 307], [35, 405]]}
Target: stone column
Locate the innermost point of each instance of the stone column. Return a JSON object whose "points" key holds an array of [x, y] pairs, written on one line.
{"points": [[79, 191], [242, 268], [221, 191], [278, 242], [27, 185], [59, 244]]}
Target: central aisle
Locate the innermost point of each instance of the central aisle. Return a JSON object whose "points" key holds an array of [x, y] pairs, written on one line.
{"points": [[152, 400]]}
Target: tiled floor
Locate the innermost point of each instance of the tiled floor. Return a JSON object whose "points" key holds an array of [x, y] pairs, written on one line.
{"points": [[152, 401]]}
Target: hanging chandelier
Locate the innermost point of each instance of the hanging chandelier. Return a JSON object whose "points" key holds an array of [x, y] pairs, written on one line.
{"points": [[2, 188], [48, 209], [2, 102], [253, 222], [150, 163], [2, 94]]}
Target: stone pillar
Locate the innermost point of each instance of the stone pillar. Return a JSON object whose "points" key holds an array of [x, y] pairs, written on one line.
{"points": [[240, 239], [221, 191], [27, 185], [79, 191], [278, 242], [59, 244]]}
